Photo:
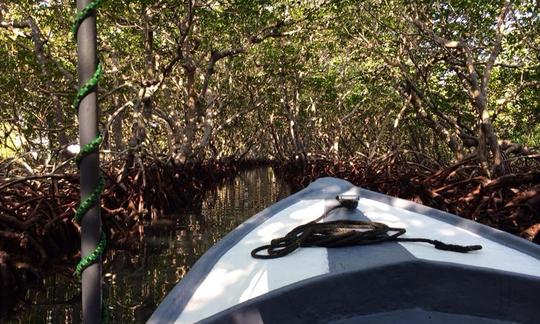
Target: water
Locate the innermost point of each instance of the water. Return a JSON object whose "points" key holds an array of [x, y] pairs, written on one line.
{"points": [[136, 280]]}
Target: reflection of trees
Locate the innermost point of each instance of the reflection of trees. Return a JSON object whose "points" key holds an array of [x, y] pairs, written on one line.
{"points": [[137, 279], [231, 204]]}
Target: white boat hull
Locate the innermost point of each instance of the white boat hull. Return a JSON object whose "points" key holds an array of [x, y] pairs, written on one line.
{"points": [[227, 284]]}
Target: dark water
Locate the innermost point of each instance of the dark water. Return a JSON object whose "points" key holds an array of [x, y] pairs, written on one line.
{"points": [[138, 279]]}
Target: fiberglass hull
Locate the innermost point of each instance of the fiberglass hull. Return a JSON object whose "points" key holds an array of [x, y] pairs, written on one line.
{"points": [[381, 283]]}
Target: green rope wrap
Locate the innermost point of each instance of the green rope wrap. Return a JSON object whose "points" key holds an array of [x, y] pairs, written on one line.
{"points": [[82, 15], [92, 147], [90, 258], [87, 203], [88, 86]]}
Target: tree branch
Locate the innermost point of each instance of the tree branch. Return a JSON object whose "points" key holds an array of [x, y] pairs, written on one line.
{"points": [[496, 47], [267, 32]]}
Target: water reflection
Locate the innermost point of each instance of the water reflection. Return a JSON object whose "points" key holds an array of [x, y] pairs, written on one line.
{"points": [[138, 279]]}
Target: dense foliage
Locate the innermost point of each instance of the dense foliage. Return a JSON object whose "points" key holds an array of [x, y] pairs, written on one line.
{"points": [[287, 80], [433, 101]]}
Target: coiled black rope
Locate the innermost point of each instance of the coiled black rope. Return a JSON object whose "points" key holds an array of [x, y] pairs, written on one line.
{"points": [[340, 233]]}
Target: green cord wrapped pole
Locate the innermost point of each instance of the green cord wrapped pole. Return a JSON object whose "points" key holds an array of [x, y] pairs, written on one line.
{"points": [[88, 215]]}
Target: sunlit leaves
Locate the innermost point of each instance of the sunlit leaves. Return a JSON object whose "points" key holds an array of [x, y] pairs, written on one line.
{"points": [[336, 73]]}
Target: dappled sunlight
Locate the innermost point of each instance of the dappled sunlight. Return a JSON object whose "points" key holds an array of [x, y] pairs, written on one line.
{"points": [[416, 223], [271, 230], [216, 284], [391, 220], [392, 216], [238, 277], [311, 210], [175, 106], [257, 286], [412, 221], [280, 224], [419, 225], [327, 189], [381, 217], [372, 203], [447, 232]]}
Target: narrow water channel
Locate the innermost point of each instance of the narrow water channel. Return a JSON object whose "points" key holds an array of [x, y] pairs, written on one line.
{"points": [[138, 279]]}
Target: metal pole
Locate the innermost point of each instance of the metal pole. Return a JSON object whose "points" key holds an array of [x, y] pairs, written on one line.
{"points": [[89, 167]]}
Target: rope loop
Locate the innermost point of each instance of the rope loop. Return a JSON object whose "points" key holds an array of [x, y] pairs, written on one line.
{"points": [[341, 233]]}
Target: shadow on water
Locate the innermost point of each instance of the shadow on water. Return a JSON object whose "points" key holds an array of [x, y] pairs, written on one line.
{"points": [[136, 280]]}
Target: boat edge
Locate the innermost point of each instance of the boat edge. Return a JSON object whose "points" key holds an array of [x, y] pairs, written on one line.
{"points": [[174, 303]]}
